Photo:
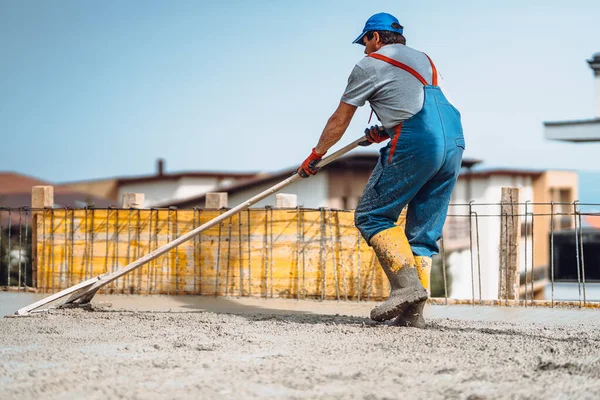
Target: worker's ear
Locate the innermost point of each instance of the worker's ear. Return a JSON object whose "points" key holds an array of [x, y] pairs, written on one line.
{"points": [[376, 37]]}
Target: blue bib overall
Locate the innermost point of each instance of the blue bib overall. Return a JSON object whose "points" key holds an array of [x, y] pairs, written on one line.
{"points": [[418, 168]]}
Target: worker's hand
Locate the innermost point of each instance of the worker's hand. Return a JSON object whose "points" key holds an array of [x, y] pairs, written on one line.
{"points": [[309, 166], [374, 134]]}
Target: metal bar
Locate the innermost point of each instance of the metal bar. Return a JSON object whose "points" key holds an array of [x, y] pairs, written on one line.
{"points": [[106, 248], [72, 261], [582, 258], [358, 263], [64, 269], [532, 256], [149, 267], [92, 233], [199, 254], [241, 272], [228, 260], [249, 256], [20, 248], [1, 236], [335, 269], [443, 255], [218, 260], [323, 255], [115, 263], [167, 255], [8, 248], [51, 245], [526, 254], [340, 247], [303, 256], [176, 234], [298, 238], [44, 277], [471, 250], [507, 252], [271, 250], [266, 247], [577, 250], [138, 249], [373, 265], [478, 253], [127, 278], [194, 218], [26, 239], [88, 294], [552, 249]]}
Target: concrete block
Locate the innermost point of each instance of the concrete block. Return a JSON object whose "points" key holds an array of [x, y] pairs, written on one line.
{"points": [[133, 200], [216, 200], [285, 200], [42, 197]]}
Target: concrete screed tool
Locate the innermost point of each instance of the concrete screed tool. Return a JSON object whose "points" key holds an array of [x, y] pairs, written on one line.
{"points": [[83, 292]]}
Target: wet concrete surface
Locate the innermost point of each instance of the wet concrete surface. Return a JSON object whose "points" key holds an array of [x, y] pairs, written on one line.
{"points": [[191, 347]]}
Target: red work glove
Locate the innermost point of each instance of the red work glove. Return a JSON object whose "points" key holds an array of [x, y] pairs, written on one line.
{"points": [[309, 166], [374, 134]]}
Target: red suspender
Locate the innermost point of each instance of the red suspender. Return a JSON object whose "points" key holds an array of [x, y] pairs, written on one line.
{"points": [[434, 81], [408, 69], [397, 131]]}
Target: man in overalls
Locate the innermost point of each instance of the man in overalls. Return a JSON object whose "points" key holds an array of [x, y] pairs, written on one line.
{"points": [[416, 169]]}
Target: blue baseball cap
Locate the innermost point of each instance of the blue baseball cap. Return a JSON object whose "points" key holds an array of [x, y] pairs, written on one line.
{"points": [[380, 22]]}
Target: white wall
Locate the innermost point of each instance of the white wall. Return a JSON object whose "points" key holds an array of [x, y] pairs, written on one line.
{"points": [[165, 190], [312, 192], [484, 190]]}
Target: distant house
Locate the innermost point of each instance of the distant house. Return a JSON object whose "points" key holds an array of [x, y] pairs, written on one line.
{"points": [[160, 187], [15, 192]]}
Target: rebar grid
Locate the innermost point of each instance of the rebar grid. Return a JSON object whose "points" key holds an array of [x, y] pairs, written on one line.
{"points": [[75, 244]]}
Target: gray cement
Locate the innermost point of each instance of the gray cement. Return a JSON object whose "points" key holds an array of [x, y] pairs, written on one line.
{"points": [[207, 348]]}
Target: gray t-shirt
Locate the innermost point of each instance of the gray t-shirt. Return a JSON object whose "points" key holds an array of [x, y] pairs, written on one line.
{"points": [[393, 93]]}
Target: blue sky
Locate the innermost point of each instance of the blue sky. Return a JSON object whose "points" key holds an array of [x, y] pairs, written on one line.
{"points": [[94, 89]]}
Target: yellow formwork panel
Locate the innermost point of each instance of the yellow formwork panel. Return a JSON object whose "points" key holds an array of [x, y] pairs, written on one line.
{"points": [[290, 253]]}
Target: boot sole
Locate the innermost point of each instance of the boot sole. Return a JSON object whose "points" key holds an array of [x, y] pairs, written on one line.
{"points": [[397, 303], [412, 317]]}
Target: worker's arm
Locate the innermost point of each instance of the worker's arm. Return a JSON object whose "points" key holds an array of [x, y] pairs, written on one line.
{"points": [[333, 132], [336, 126]]}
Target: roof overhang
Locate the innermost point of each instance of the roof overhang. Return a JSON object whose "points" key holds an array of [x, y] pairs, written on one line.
{"points": [[573, 131]]}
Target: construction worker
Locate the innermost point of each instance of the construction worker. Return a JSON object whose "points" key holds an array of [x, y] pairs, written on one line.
{"points": [[416, 169]]}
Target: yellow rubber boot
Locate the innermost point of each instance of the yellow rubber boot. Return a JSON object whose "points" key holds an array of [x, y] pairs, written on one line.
{"points": [[398, 263], [413, 315]]}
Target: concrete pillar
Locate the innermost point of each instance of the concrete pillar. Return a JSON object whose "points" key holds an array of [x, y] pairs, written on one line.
{"points": [[133, 200], [285, 200], [42, 197], [216, 200]]}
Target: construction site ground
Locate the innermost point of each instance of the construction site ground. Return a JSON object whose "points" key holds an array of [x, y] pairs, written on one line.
{"points": [[191, 347]]}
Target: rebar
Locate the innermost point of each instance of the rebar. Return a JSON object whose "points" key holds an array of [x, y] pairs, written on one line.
{"points": [[241, 269], [249, 256], [552, 249], [26, 239], [340, 247], [228, 260], [577, 251], [358, 264], [471, 250], [218, 260], [333, 259], [20, 249], [582, 257], [443, 255], [8, 248]]}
